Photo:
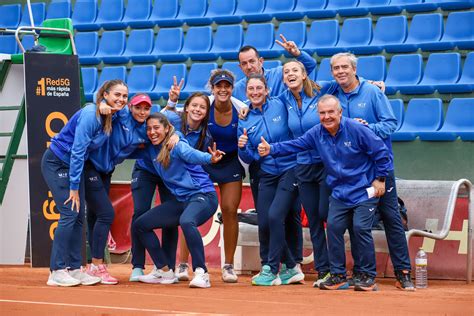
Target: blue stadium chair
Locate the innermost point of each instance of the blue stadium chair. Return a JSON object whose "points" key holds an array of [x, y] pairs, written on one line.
{"points": [[360, 7], [139, 43], [252, 10], [466, 83], [422, 115], [459, 121], [84, 15], [198, 77], [39, 13], [293, 31], [111, 73], [234, 67], [314, 9], [404, 70], [397, 6], [174, 38], [424, 28], [313, 74], [283, 9], [420, 6], [165, 79], [8, 44], [399, 111], [372, 67], [111, 47], [141, 79], [441, 68], [138, 13], [164, 13], [227, 41], [452, 4], [324, 70], [197, 43], [343, 7], [459, 32], [260, 36], [321, 35], [390, 30], [268, 64], [11, 16], [374, 7], [354, 33], [192, 12], [89, 81], [28, 41], [59, 9], [87, 44], [111, 14], [222, 12]]}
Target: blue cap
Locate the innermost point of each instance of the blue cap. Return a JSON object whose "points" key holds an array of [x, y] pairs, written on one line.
{"points": [[222, 77]]}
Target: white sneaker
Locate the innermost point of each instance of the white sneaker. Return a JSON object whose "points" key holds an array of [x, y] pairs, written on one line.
{"points": [[182, 274], [228, 274], [158, 276], [86, 279], [62, 278], [201, 279]]}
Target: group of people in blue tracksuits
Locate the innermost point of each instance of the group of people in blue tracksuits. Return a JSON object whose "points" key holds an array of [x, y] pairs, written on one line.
{"points": [[324, 146]]}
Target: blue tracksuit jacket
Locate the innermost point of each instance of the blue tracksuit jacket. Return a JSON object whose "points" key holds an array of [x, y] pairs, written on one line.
{"points": [[301, 120], [127, 134], [82, 135], [192, 137], [353, 158], [368, 102], [272, 124], [184, 176]]}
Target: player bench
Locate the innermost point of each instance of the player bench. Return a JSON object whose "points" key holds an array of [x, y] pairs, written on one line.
{"points": [[430, 206]]}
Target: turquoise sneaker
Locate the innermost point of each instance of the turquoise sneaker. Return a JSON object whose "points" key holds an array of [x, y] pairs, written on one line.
{"points": [[266, 277], [136, 272], [291, 276]]}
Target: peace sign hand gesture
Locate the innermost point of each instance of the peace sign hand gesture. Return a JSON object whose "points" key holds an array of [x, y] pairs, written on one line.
{"points": [[216, 153], [289, 46], [175, 89]]}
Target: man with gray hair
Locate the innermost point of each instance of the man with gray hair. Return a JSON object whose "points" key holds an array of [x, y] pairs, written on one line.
{"points": [[356, 161], [367, 104]]}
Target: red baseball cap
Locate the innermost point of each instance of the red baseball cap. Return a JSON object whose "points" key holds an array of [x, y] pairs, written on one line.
{"points": [[140, 98]]}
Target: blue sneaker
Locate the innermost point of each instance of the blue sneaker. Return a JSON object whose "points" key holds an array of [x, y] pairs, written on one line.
{"points": [[291, 276], [136, 272], [266, 277]]}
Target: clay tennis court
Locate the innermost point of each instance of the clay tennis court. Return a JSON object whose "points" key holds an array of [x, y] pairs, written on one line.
{"points": [[23, 291]]}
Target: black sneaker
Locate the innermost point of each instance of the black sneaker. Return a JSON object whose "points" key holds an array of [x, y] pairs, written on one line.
{"points": [[356, 276], [335, 282], [404, 280], [366, 283], [322, 277]]}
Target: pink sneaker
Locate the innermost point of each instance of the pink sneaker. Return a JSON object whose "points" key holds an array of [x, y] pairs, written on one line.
{"points": [[101, 272]]}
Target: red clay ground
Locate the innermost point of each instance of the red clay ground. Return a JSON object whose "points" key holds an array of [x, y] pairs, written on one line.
{"points": [[23, 291]]}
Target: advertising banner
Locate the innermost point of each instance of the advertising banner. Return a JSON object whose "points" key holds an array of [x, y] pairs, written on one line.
{"points": [[52, 97]]}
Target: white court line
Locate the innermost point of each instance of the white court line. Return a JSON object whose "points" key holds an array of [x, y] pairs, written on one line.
{"points": [[122, 291], [102, 307]]}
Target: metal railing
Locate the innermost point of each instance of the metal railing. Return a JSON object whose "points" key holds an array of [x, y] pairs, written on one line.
{"points": [[31, 28], [448, 218]]}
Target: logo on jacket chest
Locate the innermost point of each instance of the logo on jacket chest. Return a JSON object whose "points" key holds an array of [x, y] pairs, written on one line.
{"points": [[361, 105], [348, 143], [276, 119]]}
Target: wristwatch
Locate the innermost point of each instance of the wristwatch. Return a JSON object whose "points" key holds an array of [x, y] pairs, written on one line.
{"points": [[381, 179]]}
